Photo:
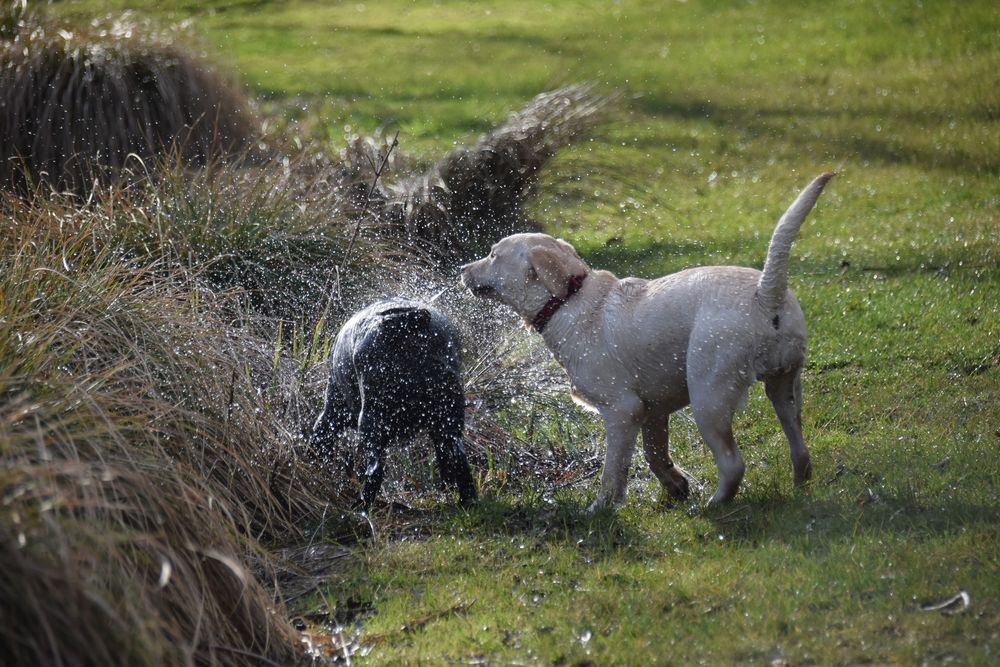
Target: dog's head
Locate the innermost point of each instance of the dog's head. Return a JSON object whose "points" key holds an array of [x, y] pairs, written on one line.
{"points": [[524, 271]]}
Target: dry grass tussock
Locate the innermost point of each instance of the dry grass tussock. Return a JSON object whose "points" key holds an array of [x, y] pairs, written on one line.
{"points": [[80, 103], [475, 195], [162, 349], [147, 456]]}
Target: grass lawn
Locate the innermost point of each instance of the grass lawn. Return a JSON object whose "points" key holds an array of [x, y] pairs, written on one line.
{"points": [[728, 109]]}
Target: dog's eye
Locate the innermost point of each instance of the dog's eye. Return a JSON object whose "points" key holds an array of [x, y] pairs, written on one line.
{"points": [[493, 255]]}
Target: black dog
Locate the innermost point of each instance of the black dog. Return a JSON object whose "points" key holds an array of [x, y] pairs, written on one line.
{"points": [[394, 372]]}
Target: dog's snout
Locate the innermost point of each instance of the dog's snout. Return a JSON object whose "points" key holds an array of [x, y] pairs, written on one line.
{"points": [[468, 271], [467, 279], [475, 284], [465, 274]]}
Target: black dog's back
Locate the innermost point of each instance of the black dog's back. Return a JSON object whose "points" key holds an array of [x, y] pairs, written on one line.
{"points": [[406, 349], [394, 372]]}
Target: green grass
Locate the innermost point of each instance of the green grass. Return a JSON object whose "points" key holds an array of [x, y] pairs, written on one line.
{"points": [[730, 108]]}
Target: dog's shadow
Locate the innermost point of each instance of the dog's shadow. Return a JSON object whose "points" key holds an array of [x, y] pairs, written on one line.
{"points": [[806, 519], [531, 520], [816, 523], [810, 519]]}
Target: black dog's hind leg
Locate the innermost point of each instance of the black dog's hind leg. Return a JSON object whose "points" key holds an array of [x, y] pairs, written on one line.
{"points": [[453, 465], [325, 447], [375, 435]]}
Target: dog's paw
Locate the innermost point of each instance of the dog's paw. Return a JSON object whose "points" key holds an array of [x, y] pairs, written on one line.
{"points": [[720, 498], [599, 505], [603, 504], [803, 473], [678, 487]]}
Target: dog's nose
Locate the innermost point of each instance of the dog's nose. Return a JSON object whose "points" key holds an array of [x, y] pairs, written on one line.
{"points": [[466, 271]]}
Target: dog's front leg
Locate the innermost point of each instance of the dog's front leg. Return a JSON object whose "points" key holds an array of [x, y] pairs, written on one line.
{"points": [[621, 424]]}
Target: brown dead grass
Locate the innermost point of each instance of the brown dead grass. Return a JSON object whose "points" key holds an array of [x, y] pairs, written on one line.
{"points": [[134, 477]]}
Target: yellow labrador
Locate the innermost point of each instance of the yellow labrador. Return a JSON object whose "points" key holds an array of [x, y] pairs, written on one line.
{"points": [[637, 350]]}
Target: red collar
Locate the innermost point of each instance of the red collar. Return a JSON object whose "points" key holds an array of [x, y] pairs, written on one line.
{"points": [[555, 303]]}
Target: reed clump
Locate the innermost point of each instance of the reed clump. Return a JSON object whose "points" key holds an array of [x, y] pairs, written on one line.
{"points": [[93, 103], [139, 468], [475, 195]]}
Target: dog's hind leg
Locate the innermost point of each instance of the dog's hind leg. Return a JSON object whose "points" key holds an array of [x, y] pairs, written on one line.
{"points": [[785, 393], [713, 405], [446, 434], [375, 435], [333, 419], [453, 465], [656, 447]]}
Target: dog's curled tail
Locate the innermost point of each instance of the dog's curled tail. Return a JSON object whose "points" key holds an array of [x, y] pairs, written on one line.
{"points": [[773, 282]]}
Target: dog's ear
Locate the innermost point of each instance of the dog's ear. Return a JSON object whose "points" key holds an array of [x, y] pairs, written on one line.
{"points": [[555, 266], [565, 245]]}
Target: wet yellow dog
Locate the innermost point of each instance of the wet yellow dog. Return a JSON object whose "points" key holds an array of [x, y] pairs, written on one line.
{"points": [[637, 350]]}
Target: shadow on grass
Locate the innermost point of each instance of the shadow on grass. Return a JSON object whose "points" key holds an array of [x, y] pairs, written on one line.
{"points": [[817, 525], [532, 519], [786, 123], [814, 520], [655, 258]]}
